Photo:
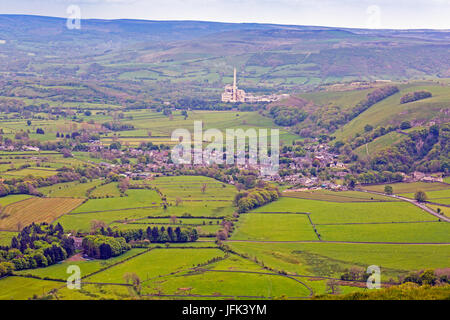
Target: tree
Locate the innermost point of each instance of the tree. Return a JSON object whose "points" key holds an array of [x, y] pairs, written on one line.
{"points": [[28, 122], [421, 196], [428, 277], [136, 283], [333, 286], [388, 190], [405, 125]]}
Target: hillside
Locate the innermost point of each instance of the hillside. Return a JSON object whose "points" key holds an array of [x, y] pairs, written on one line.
{"points": [[197, 58]]}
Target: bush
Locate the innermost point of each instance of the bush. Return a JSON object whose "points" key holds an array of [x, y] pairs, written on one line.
{"points": [[415, 96]]}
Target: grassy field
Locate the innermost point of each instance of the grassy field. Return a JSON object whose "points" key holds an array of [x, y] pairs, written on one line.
{"points": [[135, 199], [333, 212], [69, 189], [156, 263], [328, 259], [18, 288], [334, 196], [5, 237], [190, 188], [4, 201], [279, 227], [59, 271], [108, 190], [412, 187], [441, 196], [428, 232], [379, 144], [23, 213]]}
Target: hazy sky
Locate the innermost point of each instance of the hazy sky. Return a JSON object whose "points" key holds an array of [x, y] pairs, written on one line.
{"points": [[343, 13]]}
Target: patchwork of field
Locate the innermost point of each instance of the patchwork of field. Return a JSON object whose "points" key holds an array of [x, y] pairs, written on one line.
{"points": [[288, 248], [134, 210], [36, 163], [309, 220], [25, 212], [157, 128]]}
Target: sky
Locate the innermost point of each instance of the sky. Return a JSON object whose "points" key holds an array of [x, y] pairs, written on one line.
{"points": [[386, 14]]}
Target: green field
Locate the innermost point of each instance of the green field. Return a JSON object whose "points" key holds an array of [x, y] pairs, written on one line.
{"points": [[4, 201], [69, 189], [329, 259], [5, 237], [270, 227], [157, 262], [441, 196], [322, 212], [87, 267], [18, 288], [412, 187], [427, 232], [135, 199], [334, 196]]}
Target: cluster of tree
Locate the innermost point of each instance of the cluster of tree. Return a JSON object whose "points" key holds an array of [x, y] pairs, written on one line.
{"points": [[415, 96], [117, 126], [163, 235], [355, 274], [154, 235], [371, 134], [424, 150], [325, 119], [104, 247], [40, 131], [426, 277], [372, 98], [287, 116], [372, 176], [254, 198], [36, 246]]}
